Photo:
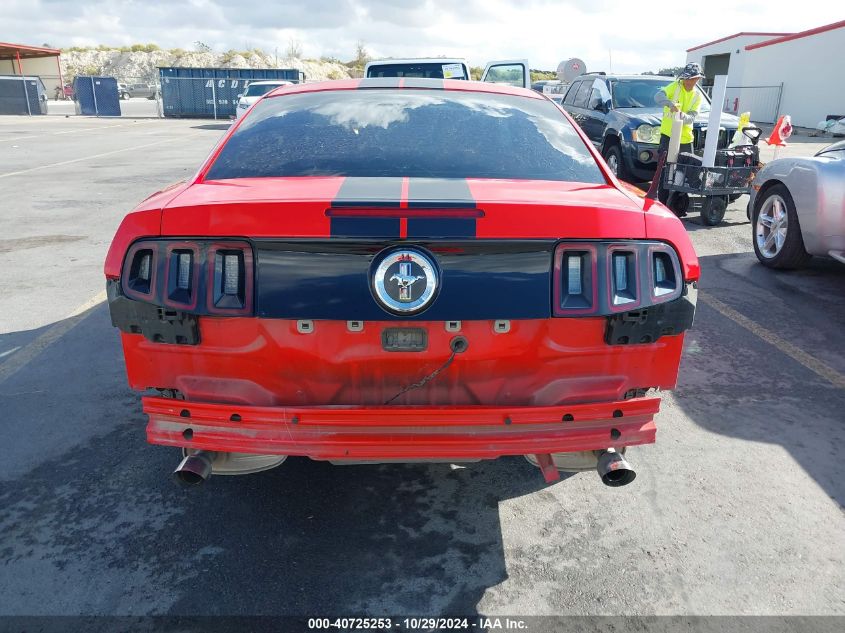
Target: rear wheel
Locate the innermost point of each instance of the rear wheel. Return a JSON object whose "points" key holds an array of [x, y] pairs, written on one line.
{"points": [[713, 210], [613, 157], [680, 204], [778, 242]]}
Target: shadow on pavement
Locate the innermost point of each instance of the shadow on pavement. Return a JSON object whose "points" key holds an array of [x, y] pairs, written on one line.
{"points": [[735, 383], [213, 126], [692, 222], [92, 522]]}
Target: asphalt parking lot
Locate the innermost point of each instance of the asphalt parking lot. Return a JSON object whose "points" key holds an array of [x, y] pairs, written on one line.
{"points": [[736, 510]]}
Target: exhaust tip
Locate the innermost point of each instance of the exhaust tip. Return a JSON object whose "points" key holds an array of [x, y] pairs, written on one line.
{"points": [[194, 469], [614, 470]]}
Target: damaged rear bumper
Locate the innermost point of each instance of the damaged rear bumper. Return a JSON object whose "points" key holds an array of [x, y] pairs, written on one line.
{"points": [[400, 433]]}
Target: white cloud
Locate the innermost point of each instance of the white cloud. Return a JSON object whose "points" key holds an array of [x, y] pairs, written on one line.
{"points": [[639, 36]]}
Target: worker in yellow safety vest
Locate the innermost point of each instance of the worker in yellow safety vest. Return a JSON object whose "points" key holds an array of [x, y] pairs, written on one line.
{"points": [[680, 95]]}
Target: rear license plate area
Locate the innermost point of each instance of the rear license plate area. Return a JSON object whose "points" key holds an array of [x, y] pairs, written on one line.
{"points": [[404, 339]]}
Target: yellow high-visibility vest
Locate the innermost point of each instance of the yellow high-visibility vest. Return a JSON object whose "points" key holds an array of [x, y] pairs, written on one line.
{"points": [[689, 100]]}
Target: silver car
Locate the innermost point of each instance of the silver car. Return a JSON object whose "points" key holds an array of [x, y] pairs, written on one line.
{"points": [[797, 209]]}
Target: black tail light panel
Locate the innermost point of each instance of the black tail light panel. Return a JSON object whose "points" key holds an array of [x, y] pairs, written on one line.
{"points": [[190, 275], [607, 278]]}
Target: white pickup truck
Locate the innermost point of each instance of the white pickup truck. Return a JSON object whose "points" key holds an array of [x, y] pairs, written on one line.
{"points": [[514, 72]]}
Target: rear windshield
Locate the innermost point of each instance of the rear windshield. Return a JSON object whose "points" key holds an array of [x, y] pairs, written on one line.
{"points": [[258, 90], [427, 71], [413, 133]]}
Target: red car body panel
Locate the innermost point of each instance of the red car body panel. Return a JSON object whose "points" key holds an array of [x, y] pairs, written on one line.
{"points": [[401, 433], [266, 362], [323, 394]]}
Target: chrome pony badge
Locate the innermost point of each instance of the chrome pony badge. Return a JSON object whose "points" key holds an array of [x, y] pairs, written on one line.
{"points": [[405, 281]]}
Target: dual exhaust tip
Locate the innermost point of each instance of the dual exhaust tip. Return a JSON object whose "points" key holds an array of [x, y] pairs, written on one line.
{"points": [[195, 469], [614, 469], [611, 466]]}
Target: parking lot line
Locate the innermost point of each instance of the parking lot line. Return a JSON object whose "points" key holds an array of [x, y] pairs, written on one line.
{"points": [[84, 158], [53, 333], [84, 129], [819, 367]]}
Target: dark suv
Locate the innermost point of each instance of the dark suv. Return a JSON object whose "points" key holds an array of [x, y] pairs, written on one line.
{"points": [[620, 116]]}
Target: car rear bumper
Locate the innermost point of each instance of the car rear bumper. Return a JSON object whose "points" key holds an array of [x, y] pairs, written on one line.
{"points": [[400, 432]]}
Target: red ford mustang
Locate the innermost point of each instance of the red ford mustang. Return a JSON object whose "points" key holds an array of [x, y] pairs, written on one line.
{"points": [[402, 270]]}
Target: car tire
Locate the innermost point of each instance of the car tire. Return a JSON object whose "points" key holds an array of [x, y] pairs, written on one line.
{"points": [[124, 96], [713, 210], [680, 204], [776, 233], [613, 157]]}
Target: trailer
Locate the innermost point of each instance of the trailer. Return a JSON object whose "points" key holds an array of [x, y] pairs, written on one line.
{"points": [[686, 185]]}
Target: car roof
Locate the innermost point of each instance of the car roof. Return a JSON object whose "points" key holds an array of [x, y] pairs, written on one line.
{"points": [[646, 77], [418, 60], [406, 83]]}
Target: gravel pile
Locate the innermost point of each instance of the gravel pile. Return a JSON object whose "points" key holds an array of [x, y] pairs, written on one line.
{"points": [[141, 66]]}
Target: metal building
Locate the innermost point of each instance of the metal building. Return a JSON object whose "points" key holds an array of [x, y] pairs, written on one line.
{"points": [[19, 59], [769, 74]]}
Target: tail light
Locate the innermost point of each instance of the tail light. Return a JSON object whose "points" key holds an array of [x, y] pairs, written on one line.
{"points": [[140, 271], [230, 279], [624, 276], [576, 289], [182, 286], [197, 276], [664, 274], [605, 278]]}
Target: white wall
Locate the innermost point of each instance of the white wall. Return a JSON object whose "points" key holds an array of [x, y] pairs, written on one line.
{"points": [[812, 72], [731, 46], [45, 67]]}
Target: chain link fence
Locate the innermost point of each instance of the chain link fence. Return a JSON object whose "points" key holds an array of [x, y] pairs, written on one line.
{"points": [[138, 88]]}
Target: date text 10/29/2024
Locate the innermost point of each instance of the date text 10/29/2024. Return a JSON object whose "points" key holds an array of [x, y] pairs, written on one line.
{"points": [[419, 624]]}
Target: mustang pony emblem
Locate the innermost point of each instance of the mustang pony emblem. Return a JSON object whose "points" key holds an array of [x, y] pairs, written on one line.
{"points": [[405, 280]]}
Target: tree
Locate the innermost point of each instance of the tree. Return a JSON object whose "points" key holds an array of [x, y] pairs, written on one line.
{"points": [[362, 55], [294, 49], [202, 47], [674, 71]]}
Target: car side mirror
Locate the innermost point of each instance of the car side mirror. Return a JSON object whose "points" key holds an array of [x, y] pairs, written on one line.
{"points": [[600, 106]]}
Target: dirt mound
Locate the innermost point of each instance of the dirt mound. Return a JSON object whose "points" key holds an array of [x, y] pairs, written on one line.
{"points": [[142, 66]]}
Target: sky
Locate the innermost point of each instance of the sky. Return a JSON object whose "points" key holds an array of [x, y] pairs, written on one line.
{"points": [[610, 35]]}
